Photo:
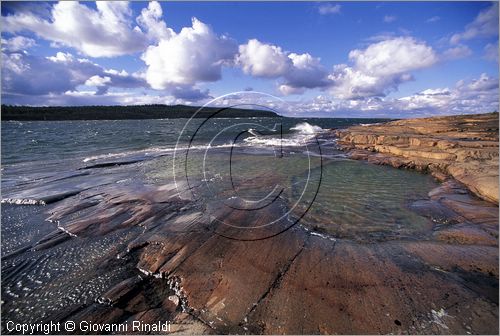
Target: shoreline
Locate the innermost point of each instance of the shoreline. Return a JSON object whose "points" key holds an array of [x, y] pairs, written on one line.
{"points": [[163, 257], [463, 147], [126, 112]]}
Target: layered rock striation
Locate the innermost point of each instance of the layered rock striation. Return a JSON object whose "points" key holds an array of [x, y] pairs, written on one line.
{"points": [[464, 147]]}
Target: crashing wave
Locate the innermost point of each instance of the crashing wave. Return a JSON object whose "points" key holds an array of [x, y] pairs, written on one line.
{"points": [[306, 128], [303, 134]]}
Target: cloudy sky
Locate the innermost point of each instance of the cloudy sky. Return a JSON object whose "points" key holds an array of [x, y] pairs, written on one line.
{"points": [[319, 58]]}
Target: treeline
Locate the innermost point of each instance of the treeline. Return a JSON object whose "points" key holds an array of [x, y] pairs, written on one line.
{"points": [[10, 112]]}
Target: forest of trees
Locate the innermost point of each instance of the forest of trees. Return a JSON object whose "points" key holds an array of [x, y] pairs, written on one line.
{"points": [[10, 112]]}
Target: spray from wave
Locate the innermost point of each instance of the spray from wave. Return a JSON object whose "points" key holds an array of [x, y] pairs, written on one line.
{"points": [[306, 128], [303, 134]]}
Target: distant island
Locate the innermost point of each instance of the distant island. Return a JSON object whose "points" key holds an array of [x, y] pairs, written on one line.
{"points": [[24, 113]]}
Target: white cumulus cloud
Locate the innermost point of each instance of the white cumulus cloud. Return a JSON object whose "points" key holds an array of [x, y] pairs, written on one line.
{"points": [[297, 71], [262, 60], [380, 68], [61, 57], [151, 20], [196, 54], [306, 72], [104, 32], [483, 83], [28, 75], [478, 95], [17, 43], [393, 56], [97, 80]]}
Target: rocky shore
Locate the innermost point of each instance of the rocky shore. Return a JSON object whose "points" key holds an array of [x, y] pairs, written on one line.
{"points": [[176, 266], [158, 254], [464, 147]]}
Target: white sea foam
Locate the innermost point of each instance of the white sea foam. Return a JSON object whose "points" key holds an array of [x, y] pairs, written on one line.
{"points": [[370, 124], [306, 128], [109, 156], [63, 229], [152, 152], [303, 134], [22, 201], [324, 236], [314, 233], [253, 132], [274, 141]]}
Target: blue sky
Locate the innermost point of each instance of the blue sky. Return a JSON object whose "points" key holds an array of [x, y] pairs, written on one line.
{"points": [[318, 58]]}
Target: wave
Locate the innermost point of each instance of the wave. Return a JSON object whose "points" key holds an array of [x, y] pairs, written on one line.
{"points": [[150, 153], [306, 128], [370, 124], [303, 134], [106, 156], [253, 132]]}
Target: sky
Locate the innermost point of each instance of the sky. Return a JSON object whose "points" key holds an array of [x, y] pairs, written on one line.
{"points": [[330, 59]]}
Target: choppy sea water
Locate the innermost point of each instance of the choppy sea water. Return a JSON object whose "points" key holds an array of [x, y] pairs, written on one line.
{"points": [[255, 161]]}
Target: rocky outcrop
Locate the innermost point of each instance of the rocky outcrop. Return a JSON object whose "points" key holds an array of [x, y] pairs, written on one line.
{"points": [[137, 251], [180, 268], [464, 147]]}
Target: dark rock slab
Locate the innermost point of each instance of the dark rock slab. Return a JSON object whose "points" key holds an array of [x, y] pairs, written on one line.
{"points": [[115, 294]]}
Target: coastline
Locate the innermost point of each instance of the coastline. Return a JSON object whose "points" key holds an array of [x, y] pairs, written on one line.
{"points": [[463, 147], [167, 260], [126, 112]]}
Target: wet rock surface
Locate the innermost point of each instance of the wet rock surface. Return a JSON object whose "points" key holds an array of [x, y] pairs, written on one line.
{"points": [[119, 252]]}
